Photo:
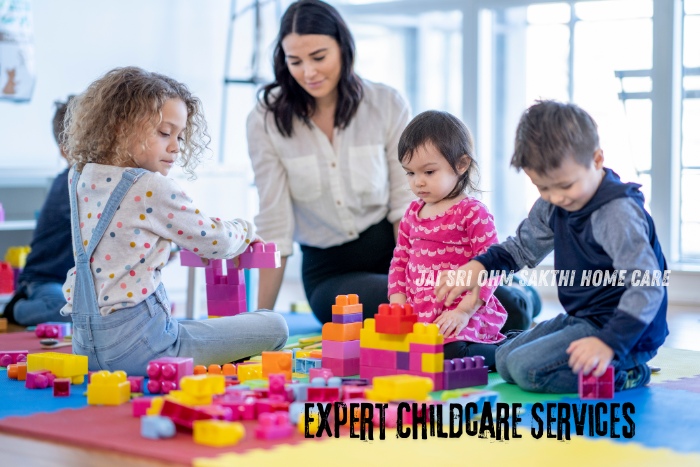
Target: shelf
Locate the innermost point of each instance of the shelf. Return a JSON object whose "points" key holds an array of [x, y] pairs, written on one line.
{"points": [[9, 226]]}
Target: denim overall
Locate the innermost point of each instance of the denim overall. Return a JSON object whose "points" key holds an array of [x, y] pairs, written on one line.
{"points": [[129, 338]]}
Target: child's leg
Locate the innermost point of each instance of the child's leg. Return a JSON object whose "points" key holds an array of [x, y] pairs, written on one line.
{"points": [[223, 340], [538, 362], [43, 303], [461, 349]]}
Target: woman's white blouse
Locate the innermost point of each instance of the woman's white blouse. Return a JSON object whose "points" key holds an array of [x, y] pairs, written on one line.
{"points": [[322, 194]]}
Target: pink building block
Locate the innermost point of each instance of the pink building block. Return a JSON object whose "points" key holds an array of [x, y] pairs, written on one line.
{"points": [[342, 366], [378, 358], [39, 379], [164, 373], [465, 372], [140, 405], [273, 425], [8, 357], [242, 408], [426, 348], [352, 392], [370, 372], [224, 292], [61, 387], [341, 350], [324, 373], [54, 330], [193, 260], [590, 387], [258, 255], [226, 308], [136, 383]]}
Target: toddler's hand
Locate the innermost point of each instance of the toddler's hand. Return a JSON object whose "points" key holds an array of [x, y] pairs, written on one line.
{"points": [[397, 298], [589, 354], [452, 322], [452, 286]]}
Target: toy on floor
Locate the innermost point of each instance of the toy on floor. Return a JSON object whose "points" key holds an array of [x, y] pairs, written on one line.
{"points": [[592, 387]]}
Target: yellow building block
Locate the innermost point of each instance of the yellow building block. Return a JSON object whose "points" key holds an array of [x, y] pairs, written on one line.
{"points": [[203, 385], [399, 387], [370, 339], [108, 388], [424, 333], [432, 362], [304, 353], [156, 405], [61, 365], [217, 433], [249, 371], [17, 256]]}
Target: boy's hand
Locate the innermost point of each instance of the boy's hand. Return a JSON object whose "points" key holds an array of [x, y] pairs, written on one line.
{"points": [[460, 284], [589, 354], [397, 298], [452, 322]]}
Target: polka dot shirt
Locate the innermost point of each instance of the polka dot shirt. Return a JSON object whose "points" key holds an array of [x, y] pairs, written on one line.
{"points": [[154, 213]]}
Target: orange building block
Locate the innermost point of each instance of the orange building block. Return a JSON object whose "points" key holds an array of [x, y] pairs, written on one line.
{"points": [[341, 332], [277, 362], [346, 304]]}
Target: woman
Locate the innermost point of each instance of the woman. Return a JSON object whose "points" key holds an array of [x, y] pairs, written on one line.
{"points": [[323, 144]]}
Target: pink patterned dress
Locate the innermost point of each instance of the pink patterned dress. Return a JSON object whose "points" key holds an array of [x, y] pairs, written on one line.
{"points": [[436, 245]]}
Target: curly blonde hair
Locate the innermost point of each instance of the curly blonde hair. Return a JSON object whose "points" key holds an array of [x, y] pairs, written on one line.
{"points": [[123, 108]]}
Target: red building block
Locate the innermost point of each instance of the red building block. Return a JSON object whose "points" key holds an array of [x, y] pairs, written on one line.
{"points": [[183, 416], [395, 319], [61, 387], [164, 373], [273, 425], [590, 387], [7, 357]]}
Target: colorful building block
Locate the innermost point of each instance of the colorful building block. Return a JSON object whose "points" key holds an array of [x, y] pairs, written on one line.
{"points": [[39, 379], [341, 332], [395, 318], [371, 339], [273, 425], [399, 387], [8, 357], [61, 387], [217, 433], [304, 365], [258, 255], [157, 427], [249, 371], [61, 365], [591, 387], [277, 362], [346, 305], [426, 333], [56, 330], [135, 383], [347, 318], [107, 388], [185, 416], [346, 349], [342, 366], [165, 373], [17, 371], [465, 372], [139, 405]]}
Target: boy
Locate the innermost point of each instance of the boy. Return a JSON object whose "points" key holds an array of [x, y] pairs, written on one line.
{"points": [[39, 297], [592, 221]]}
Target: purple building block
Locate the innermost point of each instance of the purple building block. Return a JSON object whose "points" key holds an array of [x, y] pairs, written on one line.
{"points": [[465, 372], [590, 387], [164, 373], [403, 360], [346, 319]]}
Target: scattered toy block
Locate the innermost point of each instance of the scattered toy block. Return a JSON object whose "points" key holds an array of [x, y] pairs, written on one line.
{"points": [[277, 362], [591, 387], [165, 373], [157, 427], [7, 357], [273, 425], [217, 433], [61, 387]]}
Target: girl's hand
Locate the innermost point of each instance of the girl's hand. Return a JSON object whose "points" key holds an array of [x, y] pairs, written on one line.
{"points": [[397, 298], [452, 322]]}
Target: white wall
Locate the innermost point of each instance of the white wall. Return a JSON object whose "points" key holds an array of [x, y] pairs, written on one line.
{"points": [[77, 41]]}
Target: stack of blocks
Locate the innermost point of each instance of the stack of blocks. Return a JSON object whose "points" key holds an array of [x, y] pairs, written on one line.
{"points": [[226, 291], [341, 338], [395, 344]]}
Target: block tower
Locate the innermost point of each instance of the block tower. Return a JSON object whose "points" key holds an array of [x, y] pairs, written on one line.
{"points": [[226, 291], [341, 338]]}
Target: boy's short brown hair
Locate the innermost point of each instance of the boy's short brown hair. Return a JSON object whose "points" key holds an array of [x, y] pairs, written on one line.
{"points": [[550, 131]]}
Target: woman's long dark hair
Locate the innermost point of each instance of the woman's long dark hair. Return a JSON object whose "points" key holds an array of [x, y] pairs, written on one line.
{"points": [[311, 17]]}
